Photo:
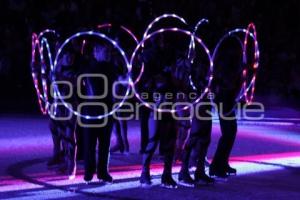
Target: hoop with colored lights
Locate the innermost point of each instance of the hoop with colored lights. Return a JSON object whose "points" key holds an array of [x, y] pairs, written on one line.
{"points": [[44, 69], [210, 73], [149, 27], [255, 65], [192, 48], [47, 31], [192, 43], [159, 18], [244, 88], [38, 43], [36, 46], [114, 43]]}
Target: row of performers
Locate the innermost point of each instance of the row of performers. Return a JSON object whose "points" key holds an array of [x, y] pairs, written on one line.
{"points": [[185, 140]]}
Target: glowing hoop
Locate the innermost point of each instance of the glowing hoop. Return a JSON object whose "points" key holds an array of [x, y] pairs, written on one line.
{"points": [[41, 98], [141, 44], [38, 43], [159, 18], [255, 65], [47, 31], [244, 89], [114, 43], [192, 47]]}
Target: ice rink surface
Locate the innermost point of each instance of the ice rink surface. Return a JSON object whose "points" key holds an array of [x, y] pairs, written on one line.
{"points": [[266, 155]]}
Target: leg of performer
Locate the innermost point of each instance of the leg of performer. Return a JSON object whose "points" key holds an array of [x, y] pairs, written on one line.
{"points": [[104, 135], [202, 147], [168, 143], [153, 140], [119, 142], [144, 118], [89, 144], [79, 139], [203, 127], [182, 135], [125, 142], [56, 138], [220, 165], [71, 149], [184, 177], [198, 141]]}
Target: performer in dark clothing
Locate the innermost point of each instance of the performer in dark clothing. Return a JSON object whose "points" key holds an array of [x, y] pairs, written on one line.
{"points": [[122, 143], [220, 164], [120, 121], [226, 87], [225, 90], [144, 115], [150, 58], [161, 130], [57, 130], [67, 71], [199, 140], [199, 136], [156, 131], [81, 60], [170, 80], [183, 128], [100, 134], [55, 127]]}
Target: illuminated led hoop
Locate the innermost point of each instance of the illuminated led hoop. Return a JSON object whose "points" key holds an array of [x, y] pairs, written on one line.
{"points": [[41, 98], [231, 34], [44, 78], [192, 43], [159, 18], [251, 87], [210, 74], [34, 45], [192, 47], [149, 27], [38, 43], [47, 31], [199, 23], [114, 43], [82, 47], [45, 43], [128, 31]]}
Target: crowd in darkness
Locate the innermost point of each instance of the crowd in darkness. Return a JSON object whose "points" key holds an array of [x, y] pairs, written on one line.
{"points": [[278, 33]]}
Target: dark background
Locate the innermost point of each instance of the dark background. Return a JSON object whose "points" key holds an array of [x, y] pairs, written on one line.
{"points": [[277, 24]]}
